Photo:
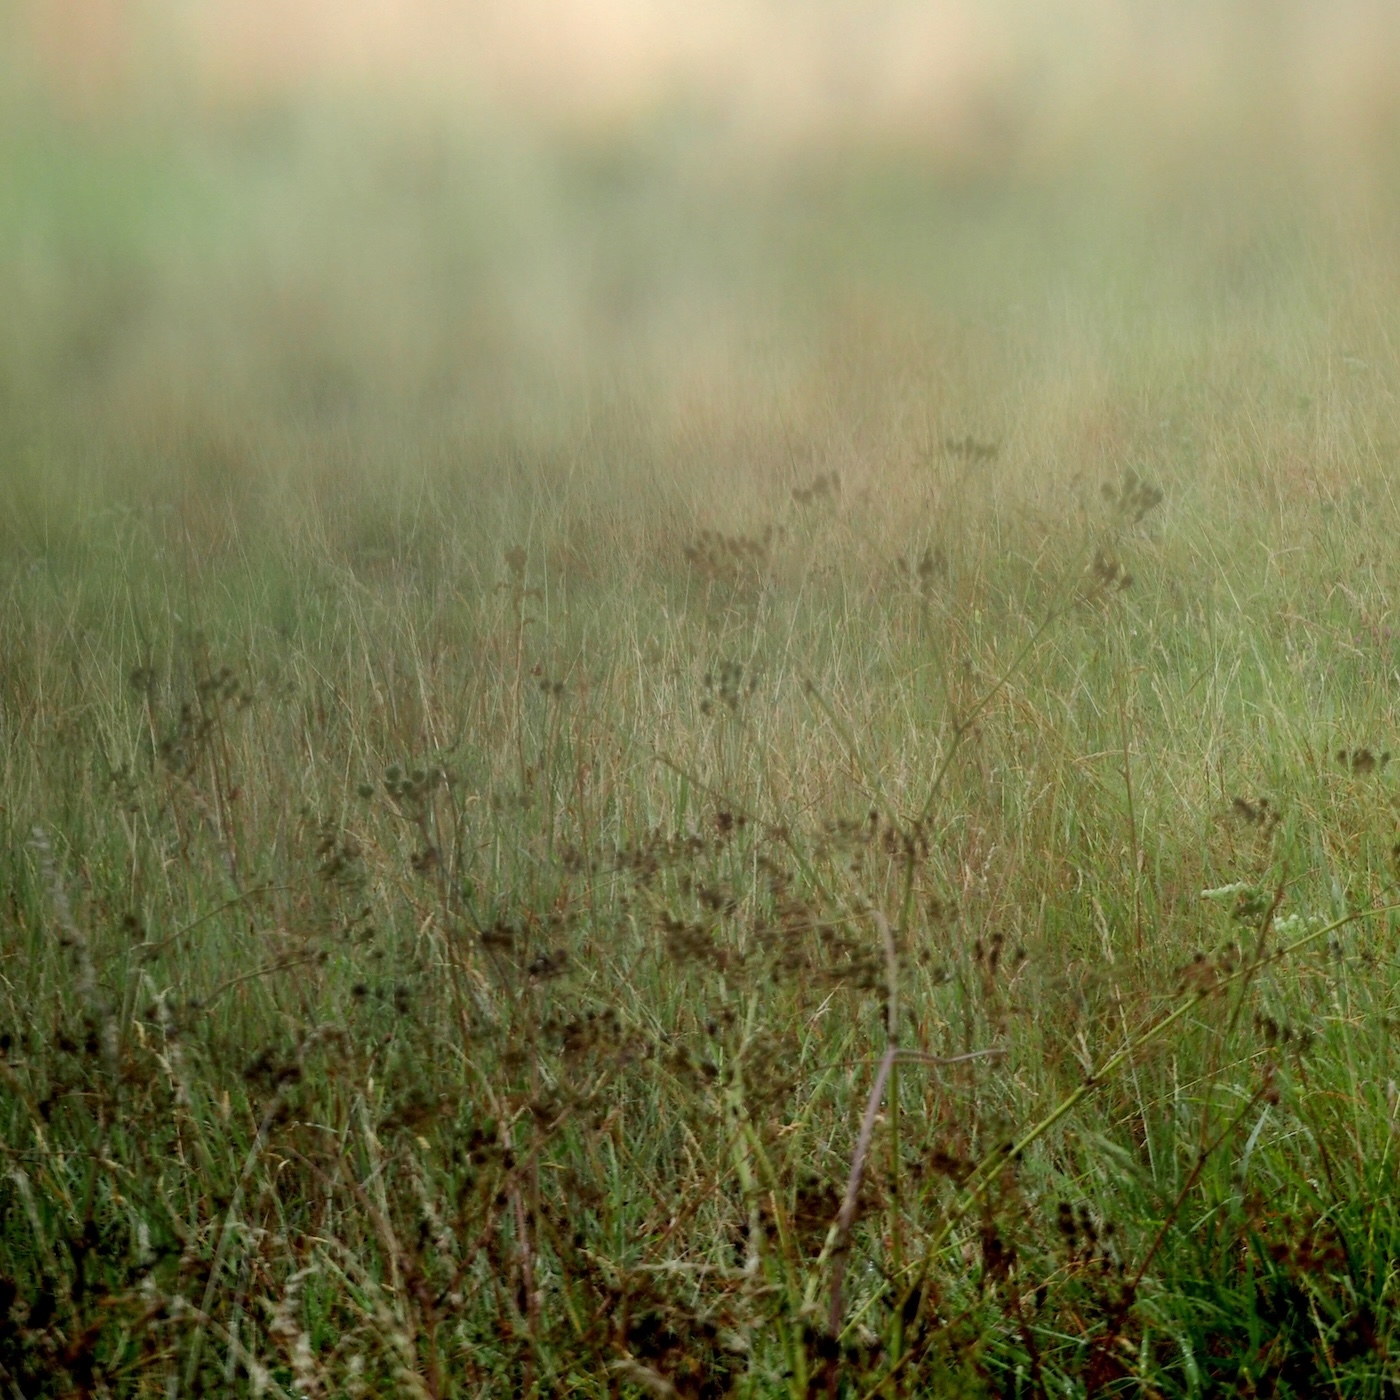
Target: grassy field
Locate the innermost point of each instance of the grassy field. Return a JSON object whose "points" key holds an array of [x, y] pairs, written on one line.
{"points": [[630, 774]]}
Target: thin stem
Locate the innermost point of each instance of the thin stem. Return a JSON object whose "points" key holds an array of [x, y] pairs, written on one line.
{"points": [[892, 1049], [1134, 848]]}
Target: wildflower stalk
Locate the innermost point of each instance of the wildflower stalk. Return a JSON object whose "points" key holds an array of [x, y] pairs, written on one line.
{"points": [[986, 1171], [746, 1146], [896, 1347]]}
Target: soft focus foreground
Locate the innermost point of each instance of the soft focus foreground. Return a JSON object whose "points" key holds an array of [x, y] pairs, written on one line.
{"points": [[634, 768]]}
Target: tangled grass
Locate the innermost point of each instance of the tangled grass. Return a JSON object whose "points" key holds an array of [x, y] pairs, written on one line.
{"points": [[882, 884]]}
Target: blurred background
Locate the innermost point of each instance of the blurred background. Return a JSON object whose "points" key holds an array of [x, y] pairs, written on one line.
{"points": [[252, 233], [973, 82]]}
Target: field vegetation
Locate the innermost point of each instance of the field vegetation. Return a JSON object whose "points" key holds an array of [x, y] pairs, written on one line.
{"points": [[630, 772]]}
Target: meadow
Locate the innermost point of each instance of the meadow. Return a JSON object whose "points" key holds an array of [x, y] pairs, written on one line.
{"points": [[630, 773]]}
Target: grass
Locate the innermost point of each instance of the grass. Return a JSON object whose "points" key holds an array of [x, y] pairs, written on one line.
{"points": [[816, 821]]}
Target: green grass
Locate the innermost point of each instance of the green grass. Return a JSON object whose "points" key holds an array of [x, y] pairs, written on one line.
{"points": [[559, 723]]}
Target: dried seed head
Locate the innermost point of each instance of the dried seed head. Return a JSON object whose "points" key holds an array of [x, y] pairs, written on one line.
{"points": [[970, 450], [1362, 761], [1133, 499]]}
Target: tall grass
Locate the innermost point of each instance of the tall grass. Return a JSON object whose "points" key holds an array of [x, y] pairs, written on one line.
{"points": [[659, 858]]}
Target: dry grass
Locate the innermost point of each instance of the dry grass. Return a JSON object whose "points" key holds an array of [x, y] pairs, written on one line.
{"points": [[853, 863]]}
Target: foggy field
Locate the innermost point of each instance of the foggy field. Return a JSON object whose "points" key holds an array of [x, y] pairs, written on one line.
{"points": [[636, 764]]}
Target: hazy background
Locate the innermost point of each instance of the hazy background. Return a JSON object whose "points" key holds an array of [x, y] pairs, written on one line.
{"points": [[971, 80], [263, 235]]}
